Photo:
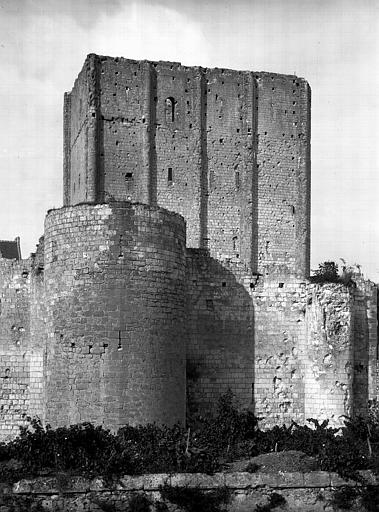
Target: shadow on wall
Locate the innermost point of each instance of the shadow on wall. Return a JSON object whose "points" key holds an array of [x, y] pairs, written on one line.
{"points": [[365, 346], [220, 344]]}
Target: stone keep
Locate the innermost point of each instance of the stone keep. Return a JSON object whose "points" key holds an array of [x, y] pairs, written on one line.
{"points": [[228, 150], [178, 266]]}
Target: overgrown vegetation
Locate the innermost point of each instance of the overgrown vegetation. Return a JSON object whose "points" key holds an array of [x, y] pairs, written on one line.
{"points": [[194, 499], [274, 500], [367, 496], [11, 503], [204, 446], [137, 503], [328, 272]]}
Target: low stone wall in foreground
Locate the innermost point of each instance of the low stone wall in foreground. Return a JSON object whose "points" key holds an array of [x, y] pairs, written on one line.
{"points": [[249, 492]]}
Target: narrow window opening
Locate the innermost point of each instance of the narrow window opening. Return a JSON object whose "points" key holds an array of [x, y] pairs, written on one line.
{"points": [[237, 180], [223, 284], [119, 347], [169, 176], [281, 285], [129, 176], [209, 303], [234, 239], [54, 256], [120, 251], [170, 109]]}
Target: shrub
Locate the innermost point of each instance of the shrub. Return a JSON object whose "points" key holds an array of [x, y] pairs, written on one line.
{"points": [[80, 448], [327, 272], [228, 434], [203, 447], [195, 500], [370, 498], [274, 500], [139, 503], [344, 497]]}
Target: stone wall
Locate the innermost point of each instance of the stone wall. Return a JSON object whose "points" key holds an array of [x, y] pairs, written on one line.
{"points": [[229, 150], [329, 352], [76, 128], [104, 321], [14, 344], [114, 277], [220, 320], [21, 353], [283, 162], [287, 349], [90, 328], [38, 335], [365, 333], [279, 359], [300, 492]]}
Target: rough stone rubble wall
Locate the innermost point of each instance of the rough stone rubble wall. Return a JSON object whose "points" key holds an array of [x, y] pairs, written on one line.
{"points": [[301, 492], [328, 353], [365, 343], [311, 350], [289, 349]]}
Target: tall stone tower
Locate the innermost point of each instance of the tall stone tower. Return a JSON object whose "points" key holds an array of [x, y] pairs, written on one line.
{"points": [[228, 150]]}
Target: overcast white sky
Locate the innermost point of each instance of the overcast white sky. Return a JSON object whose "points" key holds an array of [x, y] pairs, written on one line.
{"points": [[332, 43]]}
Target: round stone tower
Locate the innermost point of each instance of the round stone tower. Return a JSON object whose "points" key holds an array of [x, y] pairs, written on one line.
{"points": [[115, 315]]}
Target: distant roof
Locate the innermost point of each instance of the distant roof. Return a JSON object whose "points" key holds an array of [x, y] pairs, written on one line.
{"points": [[10, 249]]}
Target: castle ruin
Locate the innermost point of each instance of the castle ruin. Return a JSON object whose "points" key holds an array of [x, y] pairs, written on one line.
{"points": [[178, 266]]}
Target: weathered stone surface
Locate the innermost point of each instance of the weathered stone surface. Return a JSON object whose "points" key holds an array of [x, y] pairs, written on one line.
{"points": [[115, 315], [310, 492], [129, 313]]}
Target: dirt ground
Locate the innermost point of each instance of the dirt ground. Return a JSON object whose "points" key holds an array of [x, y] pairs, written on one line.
{"points": [[290, 461]]}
